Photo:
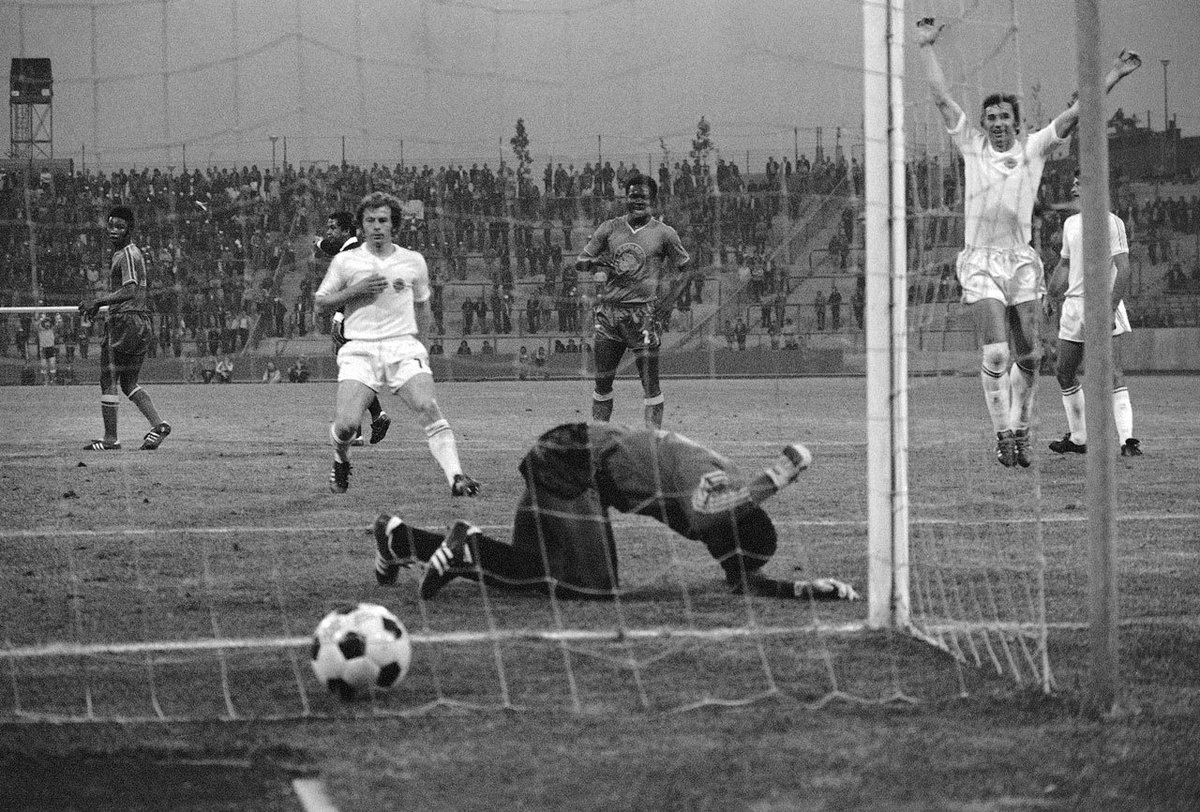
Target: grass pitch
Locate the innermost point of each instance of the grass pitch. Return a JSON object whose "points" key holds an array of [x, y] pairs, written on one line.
{"points": [[228, 532]]}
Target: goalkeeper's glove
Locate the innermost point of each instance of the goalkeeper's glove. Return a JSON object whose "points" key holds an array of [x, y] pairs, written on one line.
{"points": [[826, 589]]}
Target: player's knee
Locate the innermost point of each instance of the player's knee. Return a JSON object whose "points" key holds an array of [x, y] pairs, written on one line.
{"points": [[342, 430], [603, 389], [129, 389], [1030, 361], [996, 357]]}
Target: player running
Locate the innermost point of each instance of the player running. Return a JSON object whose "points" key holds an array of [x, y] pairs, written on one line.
{"points": [[341, 234], [127, 336], [1068, 281], [562, 539], [385, 291], [1000, 272], [629, 257]]}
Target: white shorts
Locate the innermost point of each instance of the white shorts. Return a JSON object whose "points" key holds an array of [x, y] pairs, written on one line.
{"points": [[389, 363], [1012, 275], [1070, 323]]}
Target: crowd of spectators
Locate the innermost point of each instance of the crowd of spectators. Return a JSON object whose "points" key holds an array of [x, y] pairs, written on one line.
{"points": [[222, 242]]}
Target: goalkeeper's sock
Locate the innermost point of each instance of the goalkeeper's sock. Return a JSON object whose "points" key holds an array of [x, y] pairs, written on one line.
{"points": [[602, 407]]}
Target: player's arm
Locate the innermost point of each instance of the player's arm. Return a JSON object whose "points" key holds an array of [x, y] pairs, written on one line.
{"points": [[1125, 63], [591, 258], [89, 307], [333, 293], [1121, 282], [927, 34], [679, 258], [1056, 288]]}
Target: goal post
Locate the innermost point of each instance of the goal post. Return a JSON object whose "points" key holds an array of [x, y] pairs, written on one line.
{"points": [[886, 314]]}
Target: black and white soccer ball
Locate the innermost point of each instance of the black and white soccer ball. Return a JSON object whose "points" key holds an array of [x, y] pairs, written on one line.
{"points": [[360, 649]]}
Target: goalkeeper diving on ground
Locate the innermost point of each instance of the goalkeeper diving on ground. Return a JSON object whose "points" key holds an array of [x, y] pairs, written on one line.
{"points": [[562, 539]]}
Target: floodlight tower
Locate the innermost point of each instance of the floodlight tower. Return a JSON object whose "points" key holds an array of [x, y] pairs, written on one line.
{"points": [[31, 109]]}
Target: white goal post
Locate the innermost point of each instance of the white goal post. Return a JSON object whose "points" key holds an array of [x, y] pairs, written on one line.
{"points": [[886, 314]]}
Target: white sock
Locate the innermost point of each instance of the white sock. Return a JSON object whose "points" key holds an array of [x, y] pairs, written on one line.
{"points": [[444, 448], [1076, 421], [1022, 384], [341, 448], [1122, 413], [997, 391]]}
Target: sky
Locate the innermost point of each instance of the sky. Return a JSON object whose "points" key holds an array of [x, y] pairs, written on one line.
{"points": [[161, 82]]}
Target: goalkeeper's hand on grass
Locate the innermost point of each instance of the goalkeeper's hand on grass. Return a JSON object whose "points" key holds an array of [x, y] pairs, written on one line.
{"points": [[827, 589]]}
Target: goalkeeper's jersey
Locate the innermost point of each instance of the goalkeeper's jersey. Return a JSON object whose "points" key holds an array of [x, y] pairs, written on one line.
{"points": [[639, 255], [663, 474]]}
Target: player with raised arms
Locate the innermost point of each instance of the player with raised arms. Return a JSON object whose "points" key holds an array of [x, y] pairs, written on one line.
{"points": [[562, 538], [1000, 273], [127, 336], [385, 292], [629, 257]]}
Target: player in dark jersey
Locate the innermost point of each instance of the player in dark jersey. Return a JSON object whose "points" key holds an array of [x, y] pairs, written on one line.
{"points": [[562, 539], [341, 234], [630, 257], [127, 336]]}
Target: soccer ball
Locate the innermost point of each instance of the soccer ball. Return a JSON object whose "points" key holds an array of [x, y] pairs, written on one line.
{"points": [[359, 649]]}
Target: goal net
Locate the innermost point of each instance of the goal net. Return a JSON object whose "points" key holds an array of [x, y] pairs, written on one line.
{"points": [[186, 582]]}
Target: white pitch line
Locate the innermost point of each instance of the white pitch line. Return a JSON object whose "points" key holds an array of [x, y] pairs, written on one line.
{"points": [[635, 522]]}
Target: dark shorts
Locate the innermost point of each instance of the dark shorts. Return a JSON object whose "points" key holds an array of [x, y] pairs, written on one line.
{"points": [[631, 325], [49, 352], [128, 335]]}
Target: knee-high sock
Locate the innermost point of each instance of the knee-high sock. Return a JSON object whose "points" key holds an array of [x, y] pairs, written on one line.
{"points": [[1076, 421], [1122, 413], [1023, 385], [109, 406], [341, 445], [141, 398], [602, 407], [997, 390], [444, 448]]}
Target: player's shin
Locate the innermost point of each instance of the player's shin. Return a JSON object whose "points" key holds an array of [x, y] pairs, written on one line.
{"points": [[1023, 385], [340, 439], [444, 448], [654, 411], [602, 406], [997, 389]]}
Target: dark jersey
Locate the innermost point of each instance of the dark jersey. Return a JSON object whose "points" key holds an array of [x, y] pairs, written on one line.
{"points": [[128, 265], [639, 256]]}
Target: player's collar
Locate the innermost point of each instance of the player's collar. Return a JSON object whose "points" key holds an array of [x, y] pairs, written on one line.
{"points": [[636, 229]]}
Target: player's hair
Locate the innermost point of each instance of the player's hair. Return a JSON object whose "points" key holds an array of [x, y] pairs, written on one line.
{"points": [[377, 199], [1001, 98], [123, 212], [642, 180], [344, 220]]}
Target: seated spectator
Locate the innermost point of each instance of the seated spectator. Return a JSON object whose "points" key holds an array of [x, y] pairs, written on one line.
{"points": [[298, 372], [559, 346], [436, 348], [463, 348], [272, 374], [487, 349], [225, 370], [208, 368], [572, 346]]}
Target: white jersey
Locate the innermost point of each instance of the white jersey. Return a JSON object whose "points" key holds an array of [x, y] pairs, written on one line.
{"points": [[1072, 249], [391, 314], [1001, 186]]}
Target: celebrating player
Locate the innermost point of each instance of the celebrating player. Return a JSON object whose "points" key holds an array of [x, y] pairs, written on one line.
{"points": [[627, 256], [127, 336], [562, 538], [383, 288], [1001, 274], [1068, 281], [341, 234]]}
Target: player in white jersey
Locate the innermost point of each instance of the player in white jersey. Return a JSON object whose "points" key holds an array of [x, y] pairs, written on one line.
{"points": [[1000, 272], [383, 288], [1068, 281]]}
